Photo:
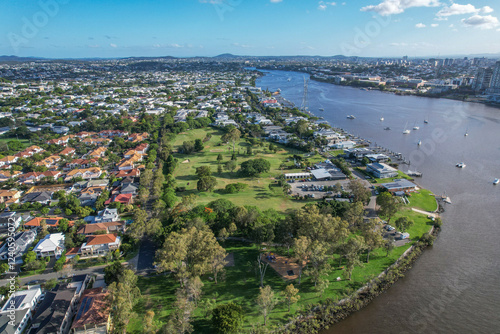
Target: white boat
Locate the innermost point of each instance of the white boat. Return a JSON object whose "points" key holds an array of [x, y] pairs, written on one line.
{"points": [[406, 131], [426, 121], [321, 109], [460, 165], [447, 200], [381, 119], [419, 143], [416, 128], [466, 134], [351, 116], [496, 181]]}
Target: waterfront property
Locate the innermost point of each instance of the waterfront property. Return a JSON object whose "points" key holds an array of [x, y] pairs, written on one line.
{"points": [[399, 186], [381, 170]]}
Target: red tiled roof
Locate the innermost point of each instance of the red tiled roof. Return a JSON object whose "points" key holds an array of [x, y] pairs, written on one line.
{"points": [[96, 309], [51, 221], [101, 239]]}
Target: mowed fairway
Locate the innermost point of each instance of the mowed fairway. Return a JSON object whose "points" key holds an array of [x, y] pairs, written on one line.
{"points": [[258, 192]]}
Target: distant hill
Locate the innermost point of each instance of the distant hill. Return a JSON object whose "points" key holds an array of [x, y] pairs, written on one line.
{"points": [[18, 59], [227, 55]]}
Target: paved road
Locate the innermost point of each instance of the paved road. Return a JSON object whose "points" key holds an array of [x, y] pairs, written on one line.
{"points": [[45, 277]]}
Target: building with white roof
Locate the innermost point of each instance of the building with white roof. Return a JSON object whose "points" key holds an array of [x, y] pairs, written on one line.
{"points": [[51, 245]]}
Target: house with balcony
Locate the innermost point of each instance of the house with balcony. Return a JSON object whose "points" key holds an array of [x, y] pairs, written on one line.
{"points": [[101, 244], [22, 242], [21, 305], [51, 245]]}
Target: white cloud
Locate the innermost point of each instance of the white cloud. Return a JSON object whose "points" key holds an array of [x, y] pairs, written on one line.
{"points": [[323, 5], [456, 9], [390, 7], [113, 45], [451, 25], [481, 22], [276, 1], [420, 25], [486, 10], [94, 46], [434, 25], [213, 2]]}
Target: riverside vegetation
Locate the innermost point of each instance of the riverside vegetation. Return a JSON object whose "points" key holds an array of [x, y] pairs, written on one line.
{"points": [[224, 198]]}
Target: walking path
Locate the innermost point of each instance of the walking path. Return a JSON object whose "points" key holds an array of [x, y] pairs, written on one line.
{"points": [[432, 214]]}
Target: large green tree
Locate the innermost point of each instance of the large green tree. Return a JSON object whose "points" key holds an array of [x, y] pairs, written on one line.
{"points": [[227, 318], [188, 253], [388, 204], [124, 295]]}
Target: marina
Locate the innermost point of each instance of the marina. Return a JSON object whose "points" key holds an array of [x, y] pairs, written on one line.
{"points": [[455, 252]]}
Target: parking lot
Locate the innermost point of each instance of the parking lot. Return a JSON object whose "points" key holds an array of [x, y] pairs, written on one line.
{"points": [[316, 188]]}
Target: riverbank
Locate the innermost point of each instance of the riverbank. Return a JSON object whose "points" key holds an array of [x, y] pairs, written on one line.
{"points": [[320, 317]]}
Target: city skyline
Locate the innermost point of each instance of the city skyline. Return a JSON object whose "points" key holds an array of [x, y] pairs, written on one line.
{"points": [[378, 28]]}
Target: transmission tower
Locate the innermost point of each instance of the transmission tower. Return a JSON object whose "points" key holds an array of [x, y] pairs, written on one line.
{"points": [[304, 98]]}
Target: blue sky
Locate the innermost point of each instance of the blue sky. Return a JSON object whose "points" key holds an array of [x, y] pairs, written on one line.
{"points": [[120, 28]]}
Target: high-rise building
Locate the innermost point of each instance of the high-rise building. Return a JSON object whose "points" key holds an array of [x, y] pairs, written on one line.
{"points": [[483, 78], [495, 79]]}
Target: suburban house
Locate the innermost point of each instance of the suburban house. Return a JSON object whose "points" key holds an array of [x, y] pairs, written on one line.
{"points": [[109, 227], [51, 245], [22, 304], [93, 315], [22, 241], [100, 244], [97, 153], [9, 196], [68, 151], [81, 163], [103, 216], [8, 160], [23, 299], [49, 161], [9, 220], [399, 186], [50, 221], [381, 170], [57, 309], [51, 174], [86, 174], [42, 197], [30, 177], [89, 195], [128, 173], [124, 199]]}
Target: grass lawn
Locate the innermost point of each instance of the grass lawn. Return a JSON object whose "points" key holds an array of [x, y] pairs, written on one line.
{"points": [[240, 283], [260, 191], [241, 286], [423, 200], [24, 142], [421, 225]]}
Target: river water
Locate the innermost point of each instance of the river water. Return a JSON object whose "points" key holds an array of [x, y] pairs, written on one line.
{"points": [[454, 287]]}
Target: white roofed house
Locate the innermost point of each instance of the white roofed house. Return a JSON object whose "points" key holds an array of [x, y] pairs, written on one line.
{"points": [[21, 305], [51, 245]]}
